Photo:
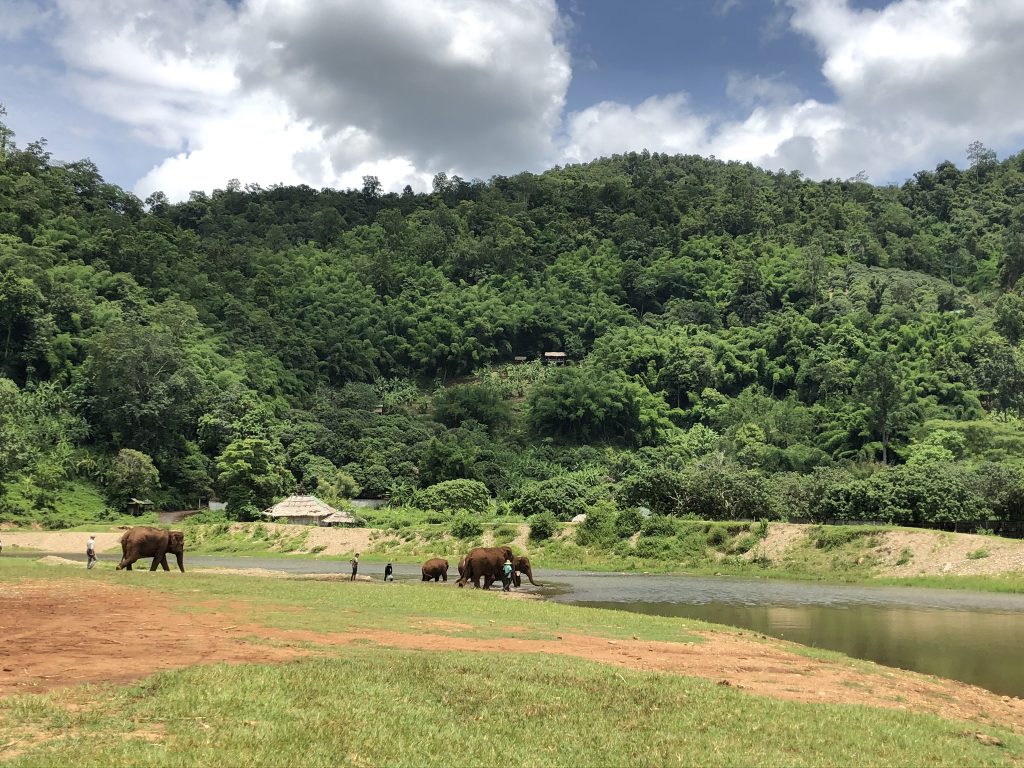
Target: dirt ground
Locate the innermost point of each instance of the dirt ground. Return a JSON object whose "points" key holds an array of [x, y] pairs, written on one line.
{"points": [[926, 553], [43, 649]]}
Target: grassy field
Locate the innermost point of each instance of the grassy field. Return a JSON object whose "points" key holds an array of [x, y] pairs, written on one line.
{"points": [[382, 707], [367, 704]]}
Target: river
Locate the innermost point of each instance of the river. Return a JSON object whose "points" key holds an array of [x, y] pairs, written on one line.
{"points": [[970, 636]]}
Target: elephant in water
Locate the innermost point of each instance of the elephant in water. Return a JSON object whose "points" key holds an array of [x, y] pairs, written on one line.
{"points": [[521, 564], [145, 541], [484, 562], [436, 568]]}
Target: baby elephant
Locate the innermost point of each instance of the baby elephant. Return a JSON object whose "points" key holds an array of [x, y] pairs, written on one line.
{"points": [[436, 569], [145, 541]]}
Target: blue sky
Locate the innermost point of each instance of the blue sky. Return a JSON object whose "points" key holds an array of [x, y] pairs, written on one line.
{"points": [[323, 92]]}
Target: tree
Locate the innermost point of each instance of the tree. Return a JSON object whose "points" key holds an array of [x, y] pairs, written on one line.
{"points": [[885, 399], [131, 475], [250, 474]]}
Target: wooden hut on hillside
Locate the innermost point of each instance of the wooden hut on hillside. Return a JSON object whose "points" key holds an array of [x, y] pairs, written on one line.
{"points": [[137, 506], [554, 358], [307, 510]]}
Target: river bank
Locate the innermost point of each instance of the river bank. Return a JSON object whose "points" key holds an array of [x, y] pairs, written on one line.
{"points": [[660, 691], [787, 551]]}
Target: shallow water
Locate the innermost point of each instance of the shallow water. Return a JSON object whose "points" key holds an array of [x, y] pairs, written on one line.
{"points": [[970, 636]]}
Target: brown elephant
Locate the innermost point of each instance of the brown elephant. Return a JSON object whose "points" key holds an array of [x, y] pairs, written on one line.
{"points": [[521, 564], [145, 541], [483, 562], [436, 568]]}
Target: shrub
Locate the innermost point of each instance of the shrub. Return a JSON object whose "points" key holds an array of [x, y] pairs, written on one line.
{"points": [[628, 522], [598, 530], [454, 495], [717, 536], [905, 556], [466, 527], [655, 547], [564, 497], [658, 525], [505, 533], [542, 526], [837, 536], [978, 554]]}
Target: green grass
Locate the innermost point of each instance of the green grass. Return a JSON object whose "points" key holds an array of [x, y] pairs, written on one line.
{"points": [[79, 505], [363, 705], [370, 707]]}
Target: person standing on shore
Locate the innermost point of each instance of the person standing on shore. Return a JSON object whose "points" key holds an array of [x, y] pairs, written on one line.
{"points": [[355, 567], [90, 551], [389, 572]]}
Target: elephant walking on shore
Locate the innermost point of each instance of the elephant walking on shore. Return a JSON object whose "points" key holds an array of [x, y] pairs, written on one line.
{"points": [[146, 541], [435, 568]]}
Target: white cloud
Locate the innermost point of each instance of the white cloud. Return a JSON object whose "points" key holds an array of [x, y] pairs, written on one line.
{"points": [[317, 92], [914, 82], [18, 17], [323, 92]]}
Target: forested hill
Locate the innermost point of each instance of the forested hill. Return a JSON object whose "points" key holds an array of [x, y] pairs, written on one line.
{"points": [[818, 345]]}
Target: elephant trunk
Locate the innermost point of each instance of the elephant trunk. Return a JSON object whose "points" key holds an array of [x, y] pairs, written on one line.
{"points": [[181, 561], [529, 575]]}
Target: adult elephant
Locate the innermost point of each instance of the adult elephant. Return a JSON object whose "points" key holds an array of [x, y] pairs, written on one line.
{"points": [[146, 541], [483, 562], [521, 564], [436, 568]]}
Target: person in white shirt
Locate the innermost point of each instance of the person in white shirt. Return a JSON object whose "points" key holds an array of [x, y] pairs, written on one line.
{"points": [[90, 551]]}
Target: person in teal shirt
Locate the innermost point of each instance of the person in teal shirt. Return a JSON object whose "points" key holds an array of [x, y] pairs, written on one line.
{"points": [[506, 581]]}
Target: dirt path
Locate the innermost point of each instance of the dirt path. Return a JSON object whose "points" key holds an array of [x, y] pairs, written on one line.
{"points": [[44, 649]]}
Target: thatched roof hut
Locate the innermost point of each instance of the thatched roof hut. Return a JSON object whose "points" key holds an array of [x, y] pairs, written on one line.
{"points": [[307, 510]]}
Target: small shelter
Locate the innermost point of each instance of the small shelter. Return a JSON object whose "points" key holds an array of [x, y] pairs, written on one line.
{"points": [[137, 506], [307, 510], [554, 358]]}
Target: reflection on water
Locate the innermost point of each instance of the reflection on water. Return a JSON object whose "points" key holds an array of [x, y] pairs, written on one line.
{"points": [[976, 647]]}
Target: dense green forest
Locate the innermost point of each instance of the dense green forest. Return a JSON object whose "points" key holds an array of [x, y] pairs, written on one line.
{"points": [[743, 343]]}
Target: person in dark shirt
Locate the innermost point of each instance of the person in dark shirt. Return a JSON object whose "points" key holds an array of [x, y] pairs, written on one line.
{"points": [[355, 567], [389, 573]]}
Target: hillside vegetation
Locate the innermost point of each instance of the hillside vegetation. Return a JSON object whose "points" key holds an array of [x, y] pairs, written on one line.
{"points": [[743, 343]]}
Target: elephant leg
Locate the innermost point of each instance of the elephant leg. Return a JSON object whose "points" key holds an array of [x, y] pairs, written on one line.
{"points": [[163, 562], [157, 557], [444, 577], [129, 566]]}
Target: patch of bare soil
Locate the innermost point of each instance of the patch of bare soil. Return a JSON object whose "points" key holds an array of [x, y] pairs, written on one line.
{"points": [[781, 536], [336, 541], [930, 553], [125, 634], [57, 634], [61, 541], [924, 553]]}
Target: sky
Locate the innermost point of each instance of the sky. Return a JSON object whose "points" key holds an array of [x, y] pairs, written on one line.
{"points": [[187, 95]]}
